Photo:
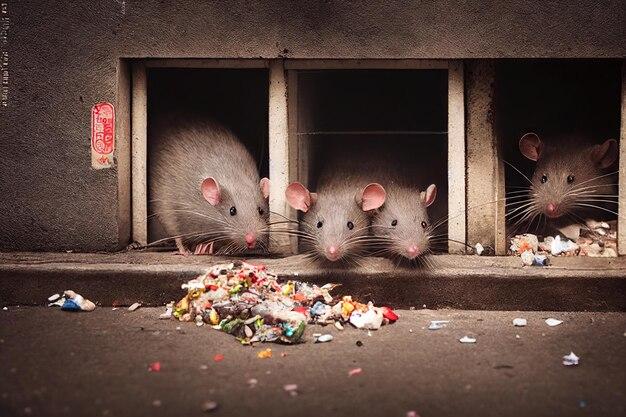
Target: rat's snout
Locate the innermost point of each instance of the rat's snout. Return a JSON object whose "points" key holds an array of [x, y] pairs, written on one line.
{"points": [[332, 253], [250, 240], [552, 209], [412, 251]]}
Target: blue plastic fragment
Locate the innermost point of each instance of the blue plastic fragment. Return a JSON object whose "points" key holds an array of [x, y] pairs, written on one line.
{"points": [[70, 305]]}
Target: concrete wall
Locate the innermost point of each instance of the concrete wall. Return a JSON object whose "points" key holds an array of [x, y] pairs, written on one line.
{"points": [[64, 56]]}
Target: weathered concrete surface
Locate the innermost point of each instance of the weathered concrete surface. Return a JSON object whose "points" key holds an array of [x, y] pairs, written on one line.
{"points": [[467, 282], [95, 364], [64, 57]]}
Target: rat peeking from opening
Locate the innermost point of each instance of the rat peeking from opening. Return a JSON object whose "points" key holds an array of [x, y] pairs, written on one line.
{"points": [[206, 191], [573, 182]]}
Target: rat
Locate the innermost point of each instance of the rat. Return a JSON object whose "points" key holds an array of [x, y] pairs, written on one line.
{"points": [[205, 189], [367, 199], [572, 180], [336, 219], [402, 225]]}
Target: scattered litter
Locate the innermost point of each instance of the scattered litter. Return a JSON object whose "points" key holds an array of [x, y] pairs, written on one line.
{"points": [[369, 333], [70, 301], [324, 338], [218, 358], [252, 382], [437, 324], [283, 354], [571, 359], [559, 246], [134, 306], [467, 339], [204, 367], [154, 367], [250, 303], [54, 297], [553, 322], [595, 239], [265, 354], [354, 371], [156, 403], [519, 322], [517, 336], [479, 249], [209, 406], [523, 243], [168, 311], [7, 309], [359, 343], [291, 389]]}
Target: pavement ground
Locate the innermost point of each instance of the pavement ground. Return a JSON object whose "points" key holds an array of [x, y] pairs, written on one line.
{"points": [[96, 364]]}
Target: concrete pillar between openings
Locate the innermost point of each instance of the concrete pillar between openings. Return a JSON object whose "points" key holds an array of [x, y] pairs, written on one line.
{"points": [[485, 168]]}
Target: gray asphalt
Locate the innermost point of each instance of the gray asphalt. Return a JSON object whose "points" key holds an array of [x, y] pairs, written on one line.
{"points": [[96, 364]]}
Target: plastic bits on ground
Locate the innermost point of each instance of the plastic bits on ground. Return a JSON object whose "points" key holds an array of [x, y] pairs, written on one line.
{"points": [[571, 359], [467, 339], [248, 302], [265, 354], [519, 322], [553, 322], [71, 301]]}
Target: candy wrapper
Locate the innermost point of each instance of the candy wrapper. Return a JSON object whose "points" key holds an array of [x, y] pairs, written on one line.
{"points": [[248, 302]]}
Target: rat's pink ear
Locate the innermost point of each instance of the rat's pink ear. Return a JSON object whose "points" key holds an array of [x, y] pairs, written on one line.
{"points": [[211, 191], [605, 155], [265, 187], [299, 197], [371, 197], [530, 145], [428, 197]]}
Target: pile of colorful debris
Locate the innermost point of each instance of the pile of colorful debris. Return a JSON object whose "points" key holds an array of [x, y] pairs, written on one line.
{"points": [[248, 302], [597, 240]]}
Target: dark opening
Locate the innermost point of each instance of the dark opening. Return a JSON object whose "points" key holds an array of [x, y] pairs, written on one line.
{"points": [[236, 98], [569, 97], [400, 112]]}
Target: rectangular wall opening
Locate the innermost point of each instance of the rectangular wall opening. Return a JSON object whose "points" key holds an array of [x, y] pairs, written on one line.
{"points": [[235, 97], [399, 114], [564, 102]]}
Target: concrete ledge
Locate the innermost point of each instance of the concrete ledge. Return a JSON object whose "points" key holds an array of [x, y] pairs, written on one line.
{"points": [[450, 281]]}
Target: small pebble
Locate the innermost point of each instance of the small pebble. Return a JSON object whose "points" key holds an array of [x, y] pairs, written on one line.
{"points": [[324, 338], [355, 371], [54, 297], [252, 382], [199, 321], [571, 359], [519, 322], [338, 325], [517, 336], [209, 406], [5, 308], [156, 403], [467, 339], [291, 389], [553, 322], [134, 306], [204, 367]]}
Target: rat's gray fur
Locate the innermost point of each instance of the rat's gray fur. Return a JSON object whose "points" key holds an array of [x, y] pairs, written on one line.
{"points": [[183, 157]]}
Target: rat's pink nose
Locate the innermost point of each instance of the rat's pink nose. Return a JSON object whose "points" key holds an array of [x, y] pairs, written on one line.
{"points": [[412, 251], [250, 240], [332, 253], [551, 209]]}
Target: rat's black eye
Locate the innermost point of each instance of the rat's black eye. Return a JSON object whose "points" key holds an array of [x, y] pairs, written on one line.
{"points": [[233, 210], [319, 224], [424, 225], [350, 225], [261, 211], [570, 179], [544, 178], [394, 223]]}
